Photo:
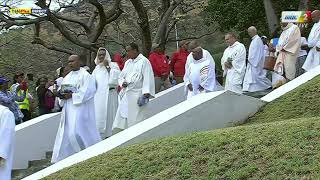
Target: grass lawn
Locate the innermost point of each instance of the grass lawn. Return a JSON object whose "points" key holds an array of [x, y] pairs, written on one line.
{"points": [[303, 102], [281, 150], [282, 141]]}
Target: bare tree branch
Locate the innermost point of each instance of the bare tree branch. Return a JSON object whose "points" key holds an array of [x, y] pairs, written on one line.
{"points": [[92, 18], [51, 46], [9, 23], [70, 5], [38, 40], [192, 37], [161, 31], [143, 23], [83, 24], [171, 27], [104, 18]]}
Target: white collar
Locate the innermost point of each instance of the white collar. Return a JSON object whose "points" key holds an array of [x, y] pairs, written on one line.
{"points": [[256, 36]]}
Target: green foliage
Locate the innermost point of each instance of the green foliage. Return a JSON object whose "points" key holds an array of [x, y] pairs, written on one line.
{"points": [[285, 5], [313, 5], [237, 15]]}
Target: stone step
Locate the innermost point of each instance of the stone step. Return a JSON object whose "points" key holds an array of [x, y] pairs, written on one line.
{"points": [[258, 94], [33, 166]]}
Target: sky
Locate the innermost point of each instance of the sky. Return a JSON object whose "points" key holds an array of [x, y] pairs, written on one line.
{"points": [[29, 4]]}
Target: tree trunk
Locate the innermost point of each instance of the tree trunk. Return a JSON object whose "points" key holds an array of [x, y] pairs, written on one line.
{"points": [[143, 23], [271, 16], [161, 35]]}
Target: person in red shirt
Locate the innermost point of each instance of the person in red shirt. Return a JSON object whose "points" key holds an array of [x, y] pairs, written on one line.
{"points": [[161, 68], [119, 59], [178, 61]]}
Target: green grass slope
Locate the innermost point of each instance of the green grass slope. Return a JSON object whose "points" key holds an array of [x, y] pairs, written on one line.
{"points": [[302, 102], [280, 150], [288, 147]]}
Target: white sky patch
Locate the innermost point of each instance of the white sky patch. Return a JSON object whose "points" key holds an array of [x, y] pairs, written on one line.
{"points": [[29, 4]]}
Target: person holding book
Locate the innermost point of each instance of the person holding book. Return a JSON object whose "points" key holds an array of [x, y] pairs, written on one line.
{"points": [[233, 63], [77, 129]]}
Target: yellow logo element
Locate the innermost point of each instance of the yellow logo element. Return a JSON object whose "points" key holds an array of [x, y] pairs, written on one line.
{"points": [[20, 11]]}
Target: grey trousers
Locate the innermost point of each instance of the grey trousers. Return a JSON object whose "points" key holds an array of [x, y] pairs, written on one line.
{"points": [[161, 84], [299, 64]]}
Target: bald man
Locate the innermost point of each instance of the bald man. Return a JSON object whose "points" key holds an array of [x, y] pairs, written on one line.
{"points": [[200, 74], [255, 78], [77, 129], [313, 58], [233, 64]]}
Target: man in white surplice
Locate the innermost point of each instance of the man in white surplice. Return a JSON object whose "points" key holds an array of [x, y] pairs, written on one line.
{"points": [[255, 78], [233, 64], [106, 75], [313, 58], [137, 82], [77, 129], [200, 74], [7, 137]]}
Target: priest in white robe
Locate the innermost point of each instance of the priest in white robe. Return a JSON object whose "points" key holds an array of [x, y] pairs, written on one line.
{"points": [[313, 58], [287, 51], [106, 76], [255, 78], [200, 74], [7, 138], [233, 64], [77, 129], [137, 82]]}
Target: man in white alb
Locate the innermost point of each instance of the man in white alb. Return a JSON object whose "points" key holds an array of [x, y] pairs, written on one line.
{"points": [[137, 82], [200, 75], [313, 58], [7, 138], [255, 78], [77, 129], [233, 64]]}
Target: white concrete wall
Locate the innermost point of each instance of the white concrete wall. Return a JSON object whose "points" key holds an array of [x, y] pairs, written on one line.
{"points": [[292, 85], [164, 100], [37, 136], [202, 112], [34, 138]]}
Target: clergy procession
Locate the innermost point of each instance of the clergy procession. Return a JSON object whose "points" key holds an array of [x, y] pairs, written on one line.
{"points": [[94, 106]]}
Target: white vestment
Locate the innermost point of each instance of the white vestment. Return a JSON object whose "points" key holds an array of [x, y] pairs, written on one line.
{"points": [[235, 75], [200, 73], [206, 55], [106, 97], [7, 138], [138, 74], [313, 58], [287, 51], [255, 78], [77, 129]]}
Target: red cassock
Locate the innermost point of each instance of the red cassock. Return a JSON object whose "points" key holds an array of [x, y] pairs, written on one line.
{"points": [[119, 60], [160, 64], [178, 62]]}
